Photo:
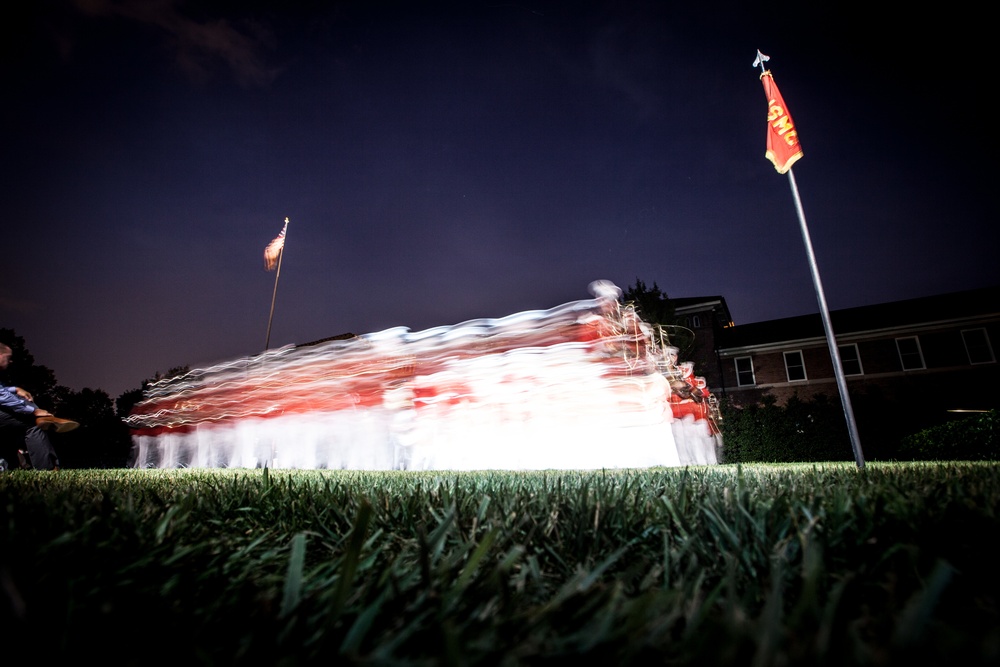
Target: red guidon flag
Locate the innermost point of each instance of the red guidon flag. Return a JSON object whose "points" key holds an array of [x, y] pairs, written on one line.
{"points": [[273, 249], [783, 147]]}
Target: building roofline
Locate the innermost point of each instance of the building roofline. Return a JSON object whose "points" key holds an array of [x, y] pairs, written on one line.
{"points": [[907, 316]]}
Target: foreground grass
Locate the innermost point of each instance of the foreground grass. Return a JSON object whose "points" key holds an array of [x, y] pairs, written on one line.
{"points": [[767, 565]]}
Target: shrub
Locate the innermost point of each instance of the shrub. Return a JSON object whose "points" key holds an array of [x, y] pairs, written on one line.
{"points": [[800, 430], [972, 438]]}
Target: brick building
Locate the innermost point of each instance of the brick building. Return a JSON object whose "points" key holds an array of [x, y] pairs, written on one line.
{"points": [[943, 341], [702, 319], [907, 364]]}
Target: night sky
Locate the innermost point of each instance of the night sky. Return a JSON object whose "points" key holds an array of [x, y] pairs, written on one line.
{"points": [[443, 161]]}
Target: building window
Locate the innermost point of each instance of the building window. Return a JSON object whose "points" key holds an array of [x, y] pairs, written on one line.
{"points": [[795, 367], [693, 322], [910, 355], [744, 372], [850, 359], [977, 346]]}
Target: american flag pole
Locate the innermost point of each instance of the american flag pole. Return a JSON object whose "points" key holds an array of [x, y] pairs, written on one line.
{"points": [[281, 253]]}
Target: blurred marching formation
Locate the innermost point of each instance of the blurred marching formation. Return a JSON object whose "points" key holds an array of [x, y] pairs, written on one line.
{"points": [[584, 385]]}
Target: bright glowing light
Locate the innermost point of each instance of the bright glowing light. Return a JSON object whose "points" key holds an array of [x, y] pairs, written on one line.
{"points": [[584, 385]]}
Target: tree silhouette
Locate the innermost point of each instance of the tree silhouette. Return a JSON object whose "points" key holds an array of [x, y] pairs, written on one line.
{"points": [[652, 304]]}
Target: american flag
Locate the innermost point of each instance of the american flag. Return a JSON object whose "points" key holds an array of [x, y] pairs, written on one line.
{"points": [[273, 249]]}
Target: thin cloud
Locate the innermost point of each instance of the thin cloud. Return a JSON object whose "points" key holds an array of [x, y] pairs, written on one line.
{"points": [[199, 45]]}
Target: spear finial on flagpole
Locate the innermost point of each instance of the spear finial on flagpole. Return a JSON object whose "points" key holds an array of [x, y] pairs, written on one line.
{"points": [[760, 60]]}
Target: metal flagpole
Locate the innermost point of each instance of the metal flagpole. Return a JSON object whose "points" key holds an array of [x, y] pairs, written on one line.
{"points": [[838, 370], [281, 253], [783, 150]]}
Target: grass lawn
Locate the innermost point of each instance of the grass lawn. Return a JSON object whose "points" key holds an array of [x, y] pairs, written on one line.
{"points": [[736, 565]]}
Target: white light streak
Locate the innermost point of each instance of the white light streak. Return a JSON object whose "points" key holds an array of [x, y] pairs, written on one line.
{"points": [[583, 385]]}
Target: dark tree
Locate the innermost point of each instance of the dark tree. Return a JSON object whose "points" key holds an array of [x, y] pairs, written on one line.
{"points": [[102, 441], [652, 304], [128, 399]]}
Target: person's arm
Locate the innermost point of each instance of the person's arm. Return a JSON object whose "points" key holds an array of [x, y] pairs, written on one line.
{"points": [[12, 399]]}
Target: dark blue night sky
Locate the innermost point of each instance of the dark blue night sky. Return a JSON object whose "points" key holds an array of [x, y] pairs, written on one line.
{"points": [[442, 161]]}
